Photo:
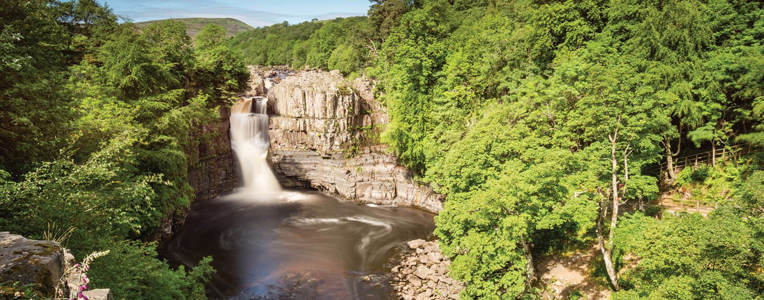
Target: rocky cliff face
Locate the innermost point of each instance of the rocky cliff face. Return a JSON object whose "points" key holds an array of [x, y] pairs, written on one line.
{"points": [[211, 170], [323, 135]]}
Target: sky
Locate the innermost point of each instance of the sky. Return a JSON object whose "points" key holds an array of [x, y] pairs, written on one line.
{"points": [[253, 12]]}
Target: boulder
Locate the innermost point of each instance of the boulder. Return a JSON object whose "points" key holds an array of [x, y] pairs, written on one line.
{"points": [[28, 261], [98, 294], [416, 243], [40, 263], [423, 272]]}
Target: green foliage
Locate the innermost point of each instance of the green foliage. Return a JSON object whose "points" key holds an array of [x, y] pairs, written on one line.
{"points": [[218, 66], [98, 124], [690, 257], [194, 25], [526, 205], [346, 59], [103, 196], [210, 36], [340, 44], [33, 56], [385, 15], [131, 271], [481, 94], [709, 185]]}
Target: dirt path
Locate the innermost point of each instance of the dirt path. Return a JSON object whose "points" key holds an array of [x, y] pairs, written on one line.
{"points": [[564, 276]]}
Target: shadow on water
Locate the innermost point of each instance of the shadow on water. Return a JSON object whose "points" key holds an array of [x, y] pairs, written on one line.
{"points": [[296, 245]]}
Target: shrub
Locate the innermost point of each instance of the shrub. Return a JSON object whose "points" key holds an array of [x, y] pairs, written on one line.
{"points": [[133, 271]]}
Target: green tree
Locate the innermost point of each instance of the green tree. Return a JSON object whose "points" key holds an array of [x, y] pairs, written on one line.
{"points": [[209, 37]]}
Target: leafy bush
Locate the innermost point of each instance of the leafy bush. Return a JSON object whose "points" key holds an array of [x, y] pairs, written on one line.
{"points": [[709, 185], [693, 174], [98, 124], [132, 271], [690, 257]]}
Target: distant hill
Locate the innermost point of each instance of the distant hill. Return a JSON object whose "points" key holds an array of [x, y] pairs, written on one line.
{"points": [[194, 25]]}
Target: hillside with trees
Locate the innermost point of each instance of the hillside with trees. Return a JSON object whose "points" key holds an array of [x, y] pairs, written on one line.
{"points": [[541, 120], [545, 124], [96, 120], [195, 25], [339, 44]]}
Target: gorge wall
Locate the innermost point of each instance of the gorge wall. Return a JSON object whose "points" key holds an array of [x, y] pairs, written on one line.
{"points": [[324, 132], [211, 170]]}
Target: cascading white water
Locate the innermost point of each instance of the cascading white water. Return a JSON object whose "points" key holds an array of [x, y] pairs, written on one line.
{"points": [[250, 142], [268, 243]]}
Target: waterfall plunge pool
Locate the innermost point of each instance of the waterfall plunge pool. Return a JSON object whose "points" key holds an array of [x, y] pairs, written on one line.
{"points": [[303, 245], [268, 243]]}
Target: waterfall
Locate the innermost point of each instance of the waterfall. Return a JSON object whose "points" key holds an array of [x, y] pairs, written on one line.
{"points": [[250, 142]]}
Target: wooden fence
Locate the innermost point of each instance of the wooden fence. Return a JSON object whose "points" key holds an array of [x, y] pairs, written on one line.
{"points": [[730, 152]]}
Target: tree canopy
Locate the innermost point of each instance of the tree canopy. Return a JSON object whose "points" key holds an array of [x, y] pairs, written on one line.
{"points": [[539, 119], [96, 132]]}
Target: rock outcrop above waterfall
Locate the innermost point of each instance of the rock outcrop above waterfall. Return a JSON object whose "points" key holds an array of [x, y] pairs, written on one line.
{"points": [[313, 110], [323, 131], [422, 273]]}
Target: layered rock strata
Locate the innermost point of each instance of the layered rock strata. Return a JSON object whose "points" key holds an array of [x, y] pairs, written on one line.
{"points": [[422, 273], [324, 131]]}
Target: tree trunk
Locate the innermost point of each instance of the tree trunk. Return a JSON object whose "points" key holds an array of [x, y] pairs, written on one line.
{"points": [[530, 269], [607, 250], [626, 164], [626, 153], [669, 160], [606, 253], [713, 154]]}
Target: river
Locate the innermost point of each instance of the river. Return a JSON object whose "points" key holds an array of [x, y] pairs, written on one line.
{"points": [[269, 243]]}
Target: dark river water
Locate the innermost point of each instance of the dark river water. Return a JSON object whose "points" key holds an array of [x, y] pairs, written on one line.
{"points": [[296, 245]]}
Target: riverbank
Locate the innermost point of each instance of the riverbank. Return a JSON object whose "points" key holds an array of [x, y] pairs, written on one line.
{"points": [[421, 272]]}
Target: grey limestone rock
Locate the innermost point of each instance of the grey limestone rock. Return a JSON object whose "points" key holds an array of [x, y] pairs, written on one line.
{"points": [[31, 262], [316, 117], [38, 262], [422, 271]]}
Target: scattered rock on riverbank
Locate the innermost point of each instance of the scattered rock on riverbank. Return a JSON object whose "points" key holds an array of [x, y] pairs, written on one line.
{"points": [[422, 273]]}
